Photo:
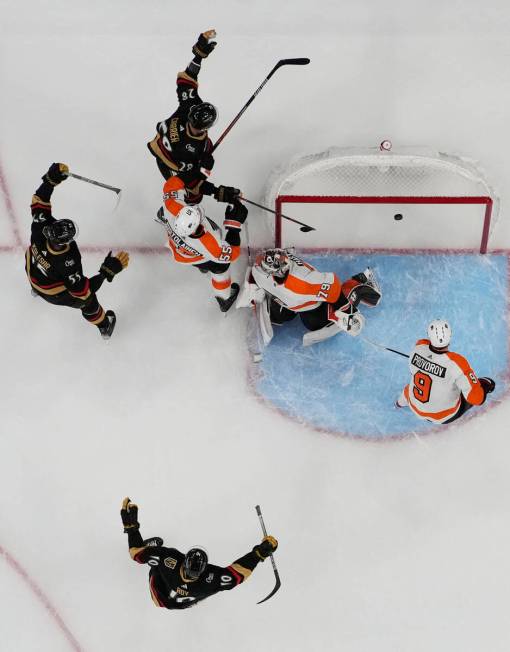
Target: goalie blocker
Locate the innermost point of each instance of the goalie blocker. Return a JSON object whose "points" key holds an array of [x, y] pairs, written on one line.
{"points": [[285, 285]]}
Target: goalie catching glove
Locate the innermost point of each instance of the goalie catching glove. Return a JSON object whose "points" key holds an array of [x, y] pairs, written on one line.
{"points": [[129, 515], [205, 44], [112, 265], [267, 547]]}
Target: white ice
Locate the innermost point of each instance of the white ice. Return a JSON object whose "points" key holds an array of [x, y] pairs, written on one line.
{"points": [[393, 547]]}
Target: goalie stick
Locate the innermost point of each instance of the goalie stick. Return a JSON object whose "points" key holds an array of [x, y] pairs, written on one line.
{"points": [[381, 346], [282, 62], [277, 576]]}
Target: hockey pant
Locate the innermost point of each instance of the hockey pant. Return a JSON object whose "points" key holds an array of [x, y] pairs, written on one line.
{"points": [[464, 407], [220, 277], [90, 309], [312, 320]]}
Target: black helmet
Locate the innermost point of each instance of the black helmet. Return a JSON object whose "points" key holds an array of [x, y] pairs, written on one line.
{"points": [[202, 116], [195, 562], [60, 232]]}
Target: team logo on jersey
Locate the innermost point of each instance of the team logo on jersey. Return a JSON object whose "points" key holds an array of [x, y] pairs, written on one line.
{"points": [[170, 562], [190, 148], [428, 366], [209, 578], [69, 262]]}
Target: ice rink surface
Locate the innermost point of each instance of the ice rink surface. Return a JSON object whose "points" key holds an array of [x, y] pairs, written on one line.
{"points": [[386, 548]]}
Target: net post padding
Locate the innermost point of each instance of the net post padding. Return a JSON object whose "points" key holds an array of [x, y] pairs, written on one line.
{"points": [[367, 175]]}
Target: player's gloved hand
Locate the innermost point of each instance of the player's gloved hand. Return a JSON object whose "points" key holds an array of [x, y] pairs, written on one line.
{"points": [[227, 194], [112, 265], [266, 548], [205, 44], [207, 161], [57, 173], [129, 515], [488, 385], [235, 215], [352, 324]]}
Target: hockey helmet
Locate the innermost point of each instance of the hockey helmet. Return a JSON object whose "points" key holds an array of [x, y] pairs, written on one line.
{"points": [[440, 333], [202, 116], [60, 232], [188, 220], [195, 562], [275, 262]]}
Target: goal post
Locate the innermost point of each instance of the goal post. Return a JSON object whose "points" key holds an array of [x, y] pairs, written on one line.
{"points": [[403, 199]]}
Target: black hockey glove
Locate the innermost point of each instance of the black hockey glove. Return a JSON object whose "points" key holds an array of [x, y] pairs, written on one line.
{"points": [[488, 385], [205, 45], [112, 265], [227, 194], [267, 547], [129, 515], [207, 161], [57, 173], [235, 215]]}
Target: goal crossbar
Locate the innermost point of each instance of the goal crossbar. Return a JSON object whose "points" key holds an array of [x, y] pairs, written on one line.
{"points": [[385, 199]]}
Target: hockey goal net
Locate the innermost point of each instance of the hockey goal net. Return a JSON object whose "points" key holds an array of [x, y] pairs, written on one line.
{"points": [[369, 198]]}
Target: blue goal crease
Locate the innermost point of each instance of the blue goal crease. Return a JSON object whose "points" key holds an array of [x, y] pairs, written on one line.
{"points": [[345, 385]]}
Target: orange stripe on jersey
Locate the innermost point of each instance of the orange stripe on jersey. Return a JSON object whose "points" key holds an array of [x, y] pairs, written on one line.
{"points": [[476, 395], [220, 285], [299, 286], [170, 190], [183, 258], [435, 416], [419, 342]]}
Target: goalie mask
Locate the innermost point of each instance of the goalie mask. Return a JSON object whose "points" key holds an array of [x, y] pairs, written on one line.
{"points": [[275, 262], [188, 220], [440, 333], [195, 562], [61, 232]]}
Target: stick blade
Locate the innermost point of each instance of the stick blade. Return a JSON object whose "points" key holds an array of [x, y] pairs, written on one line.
{"points": [[276, 588], [302, 61]]}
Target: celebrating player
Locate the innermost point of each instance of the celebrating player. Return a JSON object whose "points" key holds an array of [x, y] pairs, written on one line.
{"points": [[179, 581], [53, 260], [285, 285], [196, 240], [443, 386], [182, 146]]}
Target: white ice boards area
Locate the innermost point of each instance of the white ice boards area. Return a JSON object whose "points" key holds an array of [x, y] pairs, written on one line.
{"points": [[392, 546]]}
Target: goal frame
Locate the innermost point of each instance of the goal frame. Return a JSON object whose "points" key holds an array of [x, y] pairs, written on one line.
{"points": [[386, 199]]}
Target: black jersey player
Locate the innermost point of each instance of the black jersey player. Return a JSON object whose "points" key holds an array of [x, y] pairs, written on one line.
{"points": [[178, 580], [53, 260], [182, 145]]}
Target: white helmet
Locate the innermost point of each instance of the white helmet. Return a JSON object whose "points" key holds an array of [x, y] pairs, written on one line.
{"points": [[440, 333], [188, 220]]}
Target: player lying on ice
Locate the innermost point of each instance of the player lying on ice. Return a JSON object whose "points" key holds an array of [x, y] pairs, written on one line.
{"points": [[53, 260], [179, 581], [443, 386], [284, 285], [197, 241]]}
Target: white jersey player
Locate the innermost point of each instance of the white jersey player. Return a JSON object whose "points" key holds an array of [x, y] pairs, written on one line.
{"points": [[285, 285], [443, 386], [195, 240]]}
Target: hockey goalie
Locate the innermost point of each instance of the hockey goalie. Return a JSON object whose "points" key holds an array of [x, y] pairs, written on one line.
{"points": [[281, 285]]}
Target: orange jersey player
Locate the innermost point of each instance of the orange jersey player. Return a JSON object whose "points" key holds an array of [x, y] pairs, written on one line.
{"points": [[286, 285], [181, 580], [196, 240], [182, 145], [443, 385]]}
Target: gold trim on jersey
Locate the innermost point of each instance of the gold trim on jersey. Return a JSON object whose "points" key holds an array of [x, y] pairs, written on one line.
{"points": [[200, 137], [57, 253], [245, 572], [158, 152], [37, 200], [134, 551], [184, 75]]}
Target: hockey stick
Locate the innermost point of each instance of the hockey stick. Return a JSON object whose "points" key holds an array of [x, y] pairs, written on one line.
{"points": [[257, 346], [277, 576], [386, 348], [282, 62], [117, 191], [305, 228]]}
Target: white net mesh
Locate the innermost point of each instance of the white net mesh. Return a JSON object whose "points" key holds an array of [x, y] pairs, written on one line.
{"points": [[414, 172]]}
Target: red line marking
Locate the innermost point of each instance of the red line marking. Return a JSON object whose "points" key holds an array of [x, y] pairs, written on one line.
{"points": [[9, 206], [42, 597]]}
